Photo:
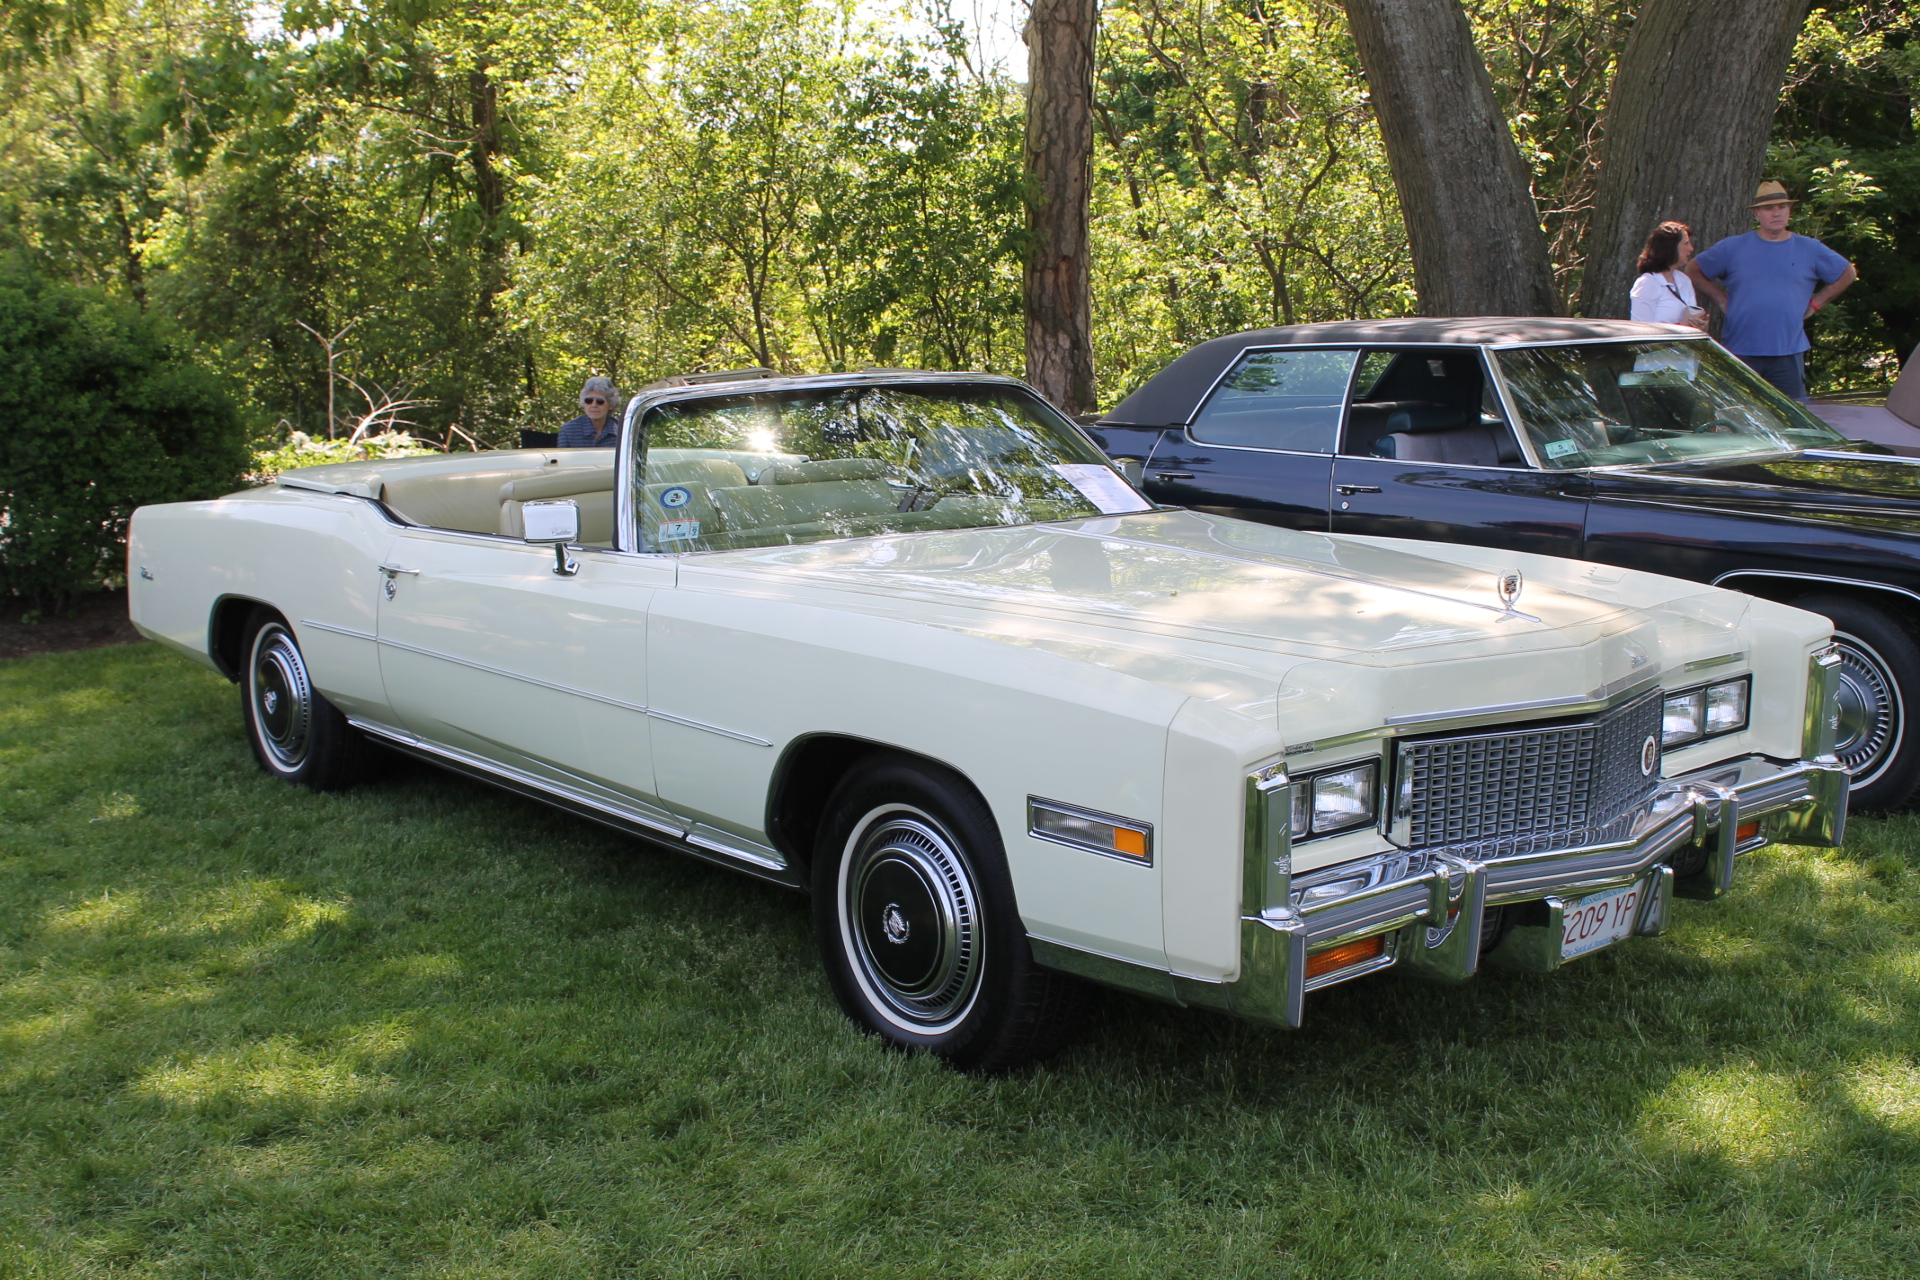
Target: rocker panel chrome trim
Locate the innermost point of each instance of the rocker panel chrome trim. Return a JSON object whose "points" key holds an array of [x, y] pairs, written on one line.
{"points": [[619, 817]]}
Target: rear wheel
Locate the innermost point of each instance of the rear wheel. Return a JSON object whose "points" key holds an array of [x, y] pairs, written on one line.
{"points": [[1879, 685], [915, 916], [296, 734]]}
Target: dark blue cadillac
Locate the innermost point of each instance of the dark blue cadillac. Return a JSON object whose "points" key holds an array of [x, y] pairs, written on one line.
{"points": [[1641, 445]]}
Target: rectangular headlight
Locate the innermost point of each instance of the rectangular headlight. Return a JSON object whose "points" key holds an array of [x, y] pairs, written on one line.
{"points": [[1335, 800], [1683, 718], [1727, 706], [1091, 830], [1345, 799]]}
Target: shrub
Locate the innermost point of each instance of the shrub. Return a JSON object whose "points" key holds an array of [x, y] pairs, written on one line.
{"points": [[101, 410], [302, 451]]}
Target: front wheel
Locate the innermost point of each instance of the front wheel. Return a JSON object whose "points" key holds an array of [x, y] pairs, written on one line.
{"points": [[914, 913], [1879, 683], [296, 734]]}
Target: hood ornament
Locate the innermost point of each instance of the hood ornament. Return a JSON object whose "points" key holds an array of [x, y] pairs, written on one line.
{"points": [[1508, 588]]}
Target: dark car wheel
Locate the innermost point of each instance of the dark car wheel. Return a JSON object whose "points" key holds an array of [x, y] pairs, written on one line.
{"points": [[915, 916], [296, 734], [1879, 682]]}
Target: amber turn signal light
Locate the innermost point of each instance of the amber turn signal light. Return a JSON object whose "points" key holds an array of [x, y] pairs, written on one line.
{"points": [[1346, 955], [1746, 831]]}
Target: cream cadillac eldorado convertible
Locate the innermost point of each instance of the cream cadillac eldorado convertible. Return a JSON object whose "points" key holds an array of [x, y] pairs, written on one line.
{"points": [[910, 642]]}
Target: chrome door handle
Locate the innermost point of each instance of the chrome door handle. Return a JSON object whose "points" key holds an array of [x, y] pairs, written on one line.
{"points": [[391, 569], [1171, 475], [1350, 489]]}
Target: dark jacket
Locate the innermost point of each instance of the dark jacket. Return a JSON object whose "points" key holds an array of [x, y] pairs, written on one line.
{"points": [[578, 434]]}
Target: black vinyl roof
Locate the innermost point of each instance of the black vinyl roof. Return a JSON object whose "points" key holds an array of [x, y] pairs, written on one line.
{"points": [[1174, 394]]}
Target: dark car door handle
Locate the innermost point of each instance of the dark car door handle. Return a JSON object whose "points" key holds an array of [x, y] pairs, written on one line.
{"points": [[1350, 489], [1172, 475]]}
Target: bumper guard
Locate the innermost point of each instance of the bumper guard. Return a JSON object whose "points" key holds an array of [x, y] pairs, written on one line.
{"points": [[1432, 908]]}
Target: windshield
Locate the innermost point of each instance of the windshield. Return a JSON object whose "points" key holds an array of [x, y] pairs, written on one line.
{"points": [[1604, 404], [777, 468]]}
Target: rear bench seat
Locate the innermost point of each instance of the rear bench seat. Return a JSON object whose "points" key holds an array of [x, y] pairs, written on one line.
{"points": [[1422, 431], [591, 492], [463, 491]]}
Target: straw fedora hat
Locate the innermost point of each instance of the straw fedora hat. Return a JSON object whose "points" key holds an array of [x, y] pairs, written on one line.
{"points": [[1770, 193]]}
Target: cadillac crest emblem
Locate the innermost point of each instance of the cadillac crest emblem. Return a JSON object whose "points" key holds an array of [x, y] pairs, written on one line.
{"points": [[893, 922], [1509, 588]]}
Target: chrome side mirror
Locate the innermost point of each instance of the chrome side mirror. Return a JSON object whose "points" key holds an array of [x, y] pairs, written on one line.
{"points": [[556, 523], [1130, 468]]}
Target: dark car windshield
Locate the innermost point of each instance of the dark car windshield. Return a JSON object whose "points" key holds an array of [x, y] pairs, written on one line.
{"points": [[1609, 403], [775, 468]]}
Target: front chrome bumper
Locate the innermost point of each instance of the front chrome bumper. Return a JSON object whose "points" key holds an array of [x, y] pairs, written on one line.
{"points": [[1429, 909]]}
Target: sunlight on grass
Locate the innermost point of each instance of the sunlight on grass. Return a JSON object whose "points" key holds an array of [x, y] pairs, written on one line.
{"points": [[1740, 1114], [1888, 1091], [280, 1069]]}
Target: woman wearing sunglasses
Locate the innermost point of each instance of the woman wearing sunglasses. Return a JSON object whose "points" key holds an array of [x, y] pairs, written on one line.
{"points": [[597, 428]]}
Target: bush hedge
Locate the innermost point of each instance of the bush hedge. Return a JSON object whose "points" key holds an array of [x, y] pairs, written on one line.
{"points": [[102, 409]]}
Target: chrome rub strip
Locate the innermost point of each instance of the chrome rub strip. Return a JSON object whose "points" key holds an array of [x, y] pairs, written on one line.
{"points": [[567, 688], [339, 631]]}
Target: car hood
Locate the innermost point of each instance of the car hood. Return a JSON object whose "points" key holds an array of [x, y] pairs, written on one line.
{"points": [[1222, 608], [1811, 485]]}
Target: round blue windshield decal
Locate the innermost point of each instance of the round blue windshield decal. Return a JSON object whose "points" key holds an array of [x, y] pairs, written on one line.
{"points": [[675, 497]]}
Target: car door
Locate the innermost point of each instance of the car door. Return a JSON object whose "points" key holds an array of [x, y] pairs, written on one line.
{"points": [[1261, 446], [1427, 452], [487, 651]]}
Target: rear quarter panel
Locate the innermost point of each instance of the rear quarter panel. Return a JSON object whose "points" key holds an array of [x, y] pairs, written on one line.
{"points": [[312, 557]]}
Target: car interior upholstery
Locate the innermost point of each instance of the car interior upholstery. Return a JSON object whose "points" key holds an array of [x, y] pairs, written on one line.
{"points": [[1426, 407]]}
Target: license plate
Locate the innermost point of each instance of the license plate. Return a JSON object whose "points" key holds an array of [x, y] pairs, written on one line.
{"points": [[1599, 920]]}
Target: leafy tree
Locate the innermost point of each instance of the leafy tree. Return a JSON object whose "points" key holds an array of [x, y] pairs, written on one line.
{"points": [[1242, 180], [1845, 142]]}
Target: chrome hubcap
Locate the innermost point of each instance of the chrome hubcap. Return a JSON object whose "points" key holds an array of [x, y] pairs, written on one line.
{"points": [[911, 917], [1871, 715], [282, 697]]}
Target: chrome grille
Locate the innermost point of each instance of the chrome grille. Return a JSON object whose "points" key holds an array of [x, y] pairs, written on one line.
{"points": [[1567, 781]]}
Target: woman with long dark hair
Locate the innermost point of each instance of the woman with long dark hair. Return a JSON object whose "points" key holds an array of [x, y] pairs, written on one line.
{"points": [[1664, 294]]}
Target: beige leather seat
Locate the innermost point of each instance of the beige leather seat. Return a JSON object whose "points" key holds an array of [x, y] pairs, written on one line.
{"points": [[591, 491], [765, 508]]}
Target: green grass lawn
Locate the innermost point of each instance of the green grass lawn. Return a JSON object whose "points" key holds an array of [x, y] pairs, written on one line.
{"points": [[432, 1029]]}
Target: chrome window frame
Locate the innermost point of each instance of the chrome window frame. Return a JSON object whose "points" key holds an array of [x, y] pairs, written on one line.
{"points": [[626, 515], [1489, 368], [1339, 428]]}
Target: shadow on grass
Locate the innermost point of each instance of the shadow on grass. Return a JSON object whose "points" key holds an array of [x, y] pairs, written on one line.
{"points": [[429, 1026]]}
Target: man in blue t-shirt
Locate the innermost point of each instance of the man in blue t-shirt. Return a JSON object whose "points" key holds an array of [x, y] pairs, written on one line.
{"points": [[1770, 277]]}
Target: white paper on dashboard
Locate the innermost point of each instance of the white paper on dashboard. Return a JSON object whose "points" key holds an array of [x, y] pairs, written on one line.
{"points": [[1100, 486]]}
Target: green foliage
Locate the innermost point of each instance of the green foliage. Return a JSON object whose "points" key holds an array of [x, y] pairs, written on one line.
{"points": [[1241, 180], [430, 1028], [105, 410], [496, 199], [759, 183], [1845, 141], [300, 450]]}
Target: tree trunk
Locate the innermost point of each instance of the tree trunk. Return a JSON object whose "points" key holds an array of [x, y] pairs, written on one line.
{"points": [[1686, 130], [1471, 223], [489, 184], [1059, 156]]}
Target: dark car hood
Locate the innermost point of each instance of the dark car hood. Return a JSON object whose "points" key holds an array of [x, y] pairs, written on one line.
{"points": [[1817, 485]]}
